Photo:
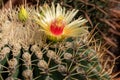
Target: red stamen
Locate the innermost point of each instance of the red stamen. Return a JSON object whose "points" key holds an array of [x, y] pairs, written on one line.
{"points": [[57, 27]]}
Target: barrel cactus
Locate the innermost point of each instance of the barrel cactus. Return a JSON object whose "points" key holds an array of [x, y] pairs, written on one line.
{"points": [[41, 48]]}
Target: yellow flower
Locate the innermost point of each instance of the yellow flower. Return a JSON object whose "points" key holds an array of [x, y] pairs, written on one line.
{"points": [[23, 14], [57, 23]]}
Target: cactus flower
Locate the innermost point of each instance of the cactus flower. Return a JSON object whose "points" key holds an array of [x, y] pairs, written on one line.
{"points": [[23, 14], [57, 23]]}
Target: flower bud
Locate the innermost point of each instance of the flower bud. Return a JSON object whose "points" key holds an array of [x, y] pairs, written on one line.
{"points": [[22, 15]]}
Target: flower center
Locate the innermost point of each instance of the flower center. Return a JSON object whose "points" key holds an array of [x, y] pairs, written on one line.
{"points": [[57, 27]]}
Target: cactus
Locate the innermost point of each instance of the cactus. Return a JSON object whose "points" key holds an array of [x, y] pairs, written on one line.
{"points": [[27, 54]]}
